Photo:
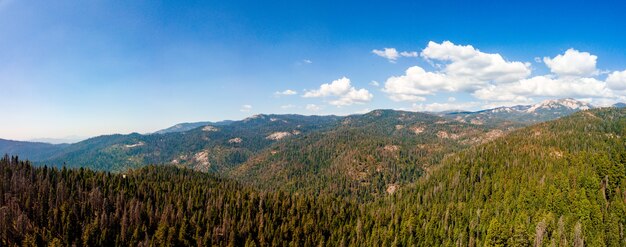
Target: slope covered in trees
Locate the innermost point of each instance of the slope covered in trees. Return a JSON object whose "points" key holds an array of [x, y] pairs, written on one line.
{"points": [[34, 150], [219, 146], [367, 155], [206, 148], [559, 183], [159, 206]]}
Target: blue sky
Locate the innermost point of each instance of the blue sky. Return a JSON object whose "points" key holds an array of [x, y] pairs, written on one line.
{"points": [[86, 68]]}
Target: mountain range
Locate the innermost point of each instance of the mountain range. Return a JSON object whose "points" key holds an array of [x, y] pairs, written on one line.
{"points": [[368, 154], [385, 178], [219, 146]]}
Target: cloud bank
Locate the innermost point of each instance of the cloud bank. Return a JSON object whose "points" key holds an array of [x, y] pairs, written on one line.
{"points": [[492, 78]]}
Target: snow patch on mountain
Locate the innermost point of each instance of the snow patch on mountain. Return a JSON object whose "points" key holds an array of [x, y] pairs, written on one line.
{"points": [[559, 103]]}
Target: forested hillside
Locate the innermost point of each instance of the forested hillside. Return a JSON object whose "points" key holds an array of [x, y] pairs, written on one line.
{"points": [[159, 206], [560, 183], [34, 150], [220, 146], [207, 148], [366, 156]]}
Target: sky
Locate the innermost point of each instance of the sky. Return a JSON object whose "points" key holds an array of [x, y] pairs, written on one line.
{"points": [[87, 68]]}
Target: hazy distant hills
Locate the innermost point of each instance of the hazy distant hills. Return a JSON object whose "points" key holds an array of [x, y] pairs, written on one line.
{"points": [[206, 148], [619, 105], [181, 127], [31, 150], [390, 139]]}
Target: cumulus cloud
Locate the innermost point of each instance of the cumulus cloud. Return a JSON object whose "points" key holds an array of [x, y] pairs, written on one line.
{"points": [[572, 76], [465, 69], [342, 92], [286, 92], [374, 83], [545, 86], [572, 63], [313, 107], [468, 63], [617, 80], [392, 54], [490, 77], [416, 83], [246, 108]]}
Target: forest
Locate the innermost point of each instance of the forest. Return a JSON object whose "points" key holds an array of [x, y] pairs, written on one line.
{"points": [[558, 183]]}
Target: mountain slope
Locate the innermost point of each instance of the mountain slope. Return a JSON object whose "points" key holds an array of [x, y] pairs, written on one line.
{"points": [[368, 155], [182, 127], [557, 183], [619, 105], [32, 150], [523, 114], [159, 206], [206, 148]]}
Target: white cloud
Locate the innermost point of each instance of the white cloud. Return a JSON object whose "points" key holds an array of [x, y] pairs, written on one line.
{"points": [[416, 83], [545, 86], [343, 92], [313, 107], [489, 77], [437, 107], [307, 61], [465, 69], [284, 107], [469, 64], [572, 63], [374, 83], [245, 108], [617, 80], [286, 92], [392, 54], [451, 99], [572, 76], [408, 54]]}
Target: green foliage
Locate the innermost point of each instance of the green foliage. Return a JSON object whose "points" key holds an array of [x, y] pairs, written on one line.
{"points": [[560, 183], [158, 205], [362, 158]]}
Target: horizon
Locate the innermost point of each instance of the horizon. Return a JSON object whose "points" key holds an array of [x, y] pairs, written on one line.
{"points": [[76, 139], [97, 68]]}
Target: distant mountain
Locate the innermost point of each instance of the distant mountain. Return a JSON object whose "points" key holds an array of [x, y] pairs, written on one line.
{"points": [[619, 105], [34, 151], [205, 148], [64, 140], [557, 183], [248, 147], [524, 114], [181, 127]]}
